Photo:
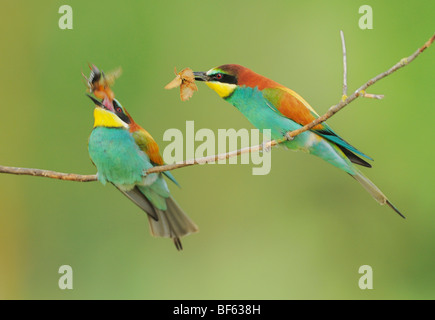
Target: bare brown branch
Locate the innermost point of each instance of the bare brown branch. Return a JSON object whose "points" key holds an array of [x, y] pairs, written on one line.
{"points": [[48, 174], [360, 92]]}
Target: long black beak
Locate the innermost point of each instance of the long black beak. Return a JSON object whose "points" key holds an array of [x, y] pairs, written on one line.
{"points": [[98, 103], [201, 76]]}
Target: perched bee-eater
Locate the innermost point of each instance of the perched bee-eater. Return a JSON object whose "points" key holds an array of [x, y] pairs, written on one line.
{"points": [[123, 161], [99, 84], [269, 105]]}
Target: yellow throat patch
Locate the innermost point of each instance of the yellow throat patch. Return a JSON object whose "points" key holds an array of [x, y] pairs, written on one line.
{"points": [[105, 118], [222, 89]]}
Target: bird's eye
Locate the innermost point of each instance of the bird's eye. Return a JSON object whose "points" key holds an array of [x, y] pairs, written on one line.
{"points": [[219, 76], [118, 109]]}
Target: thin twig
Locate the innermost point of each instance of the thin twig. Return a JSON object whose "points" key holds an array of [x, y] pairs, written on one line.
{"points": [[343, 45], [344, 96], [373, 96], [360, 92]]}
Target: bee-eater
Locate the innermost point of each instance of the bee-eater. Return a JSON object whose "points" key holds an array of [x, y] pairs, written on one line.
{"points": [[99, 85], [122, 161], [269, 105]]}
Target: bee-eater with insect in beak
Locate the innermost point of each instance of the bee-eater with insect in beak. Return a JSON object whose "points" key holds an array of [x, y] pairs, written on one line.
{"points": [[123, 162], [269, 105]]}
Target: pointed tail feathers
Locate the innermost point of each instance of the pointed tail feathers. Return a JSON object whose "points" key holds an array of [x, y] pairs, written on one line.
{"points": [[374, 191], [172, 223]]}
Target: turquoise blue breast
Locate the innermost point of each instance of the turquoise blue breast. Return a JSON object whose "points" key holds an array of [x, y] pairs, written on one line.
{"points": [[117, 157]]}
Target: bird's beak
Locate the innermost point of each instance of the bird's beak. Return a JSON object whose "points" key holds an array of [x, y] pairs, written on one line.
{"points": [[201, 76], [96, 102], [105, 104]]}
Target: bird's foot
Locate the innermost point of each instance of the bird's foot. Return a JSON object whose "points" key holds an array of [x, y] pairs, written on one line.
{"points": [[265, 146], [288, 136]]}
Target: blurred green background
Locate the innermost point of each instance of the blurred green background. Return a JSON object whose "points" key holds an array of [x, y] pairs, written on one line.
{"points": [[301, 232]]}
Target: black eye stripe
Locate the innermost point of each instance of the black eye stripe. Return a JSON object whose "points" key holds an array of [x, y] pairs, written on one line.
{"points": [[120, 113], [224, 78]]}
